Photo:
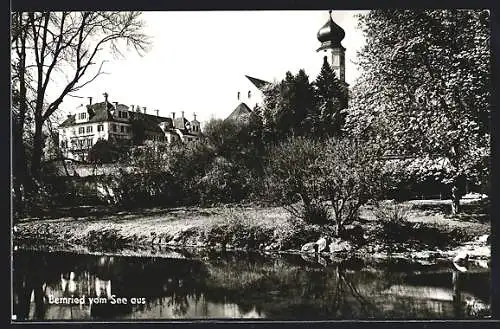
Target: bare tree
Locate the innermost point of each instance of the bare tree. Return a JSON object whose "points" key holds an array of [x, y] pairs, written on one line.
{"points": [[48, 44]]}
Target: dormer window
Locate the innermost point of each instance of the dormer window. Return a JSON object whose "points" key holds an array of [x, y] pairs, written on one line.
{"points": [[122, 114], [82, 116]]}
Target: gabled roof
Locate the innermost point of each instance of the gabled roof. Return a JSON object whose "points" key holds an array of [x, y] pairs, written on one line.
{"points": [[150, 122], [257, 82], [97, 113], [241, 111], [69, 121]]}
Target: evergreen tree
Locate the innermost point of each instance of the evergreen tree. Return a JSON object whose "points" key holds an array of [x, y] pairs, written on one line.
{"points": [[287, 105], [331, 99]]}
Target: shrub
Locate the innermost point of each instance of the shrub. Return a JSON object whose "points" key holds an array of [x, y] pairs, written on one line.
{"points": [[224, 182], [393, 212], [350, 177], [292, 176], [317, 213], [105, 152], [310, 173], [394, 218]]}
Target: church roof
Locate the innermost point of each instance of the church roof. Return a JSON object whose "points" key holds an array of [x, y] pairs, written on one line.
{"points": [[257, 82], [241, 111]]}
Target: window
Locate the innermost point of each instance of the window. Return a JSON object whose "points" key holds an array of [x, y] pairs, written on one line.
{"points": [[100, 128], [89, 129], [82, 116], [122, 129], [113, 126], [89, 142], [81, 130], [80, 142]]}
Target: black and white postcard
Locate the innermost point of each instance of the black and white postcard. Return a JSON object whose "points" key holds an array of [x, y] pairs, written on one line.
{"points": [[281, 165]]}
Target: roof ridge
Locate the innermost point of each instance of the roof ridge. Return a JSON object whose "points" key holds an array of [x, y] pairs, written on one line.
{"points": [[259, 83]]}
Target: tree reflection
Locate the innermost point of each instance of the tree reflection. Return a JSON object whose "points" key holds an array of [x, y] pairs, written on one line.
{"points": [[28, 279], [279, 288]]}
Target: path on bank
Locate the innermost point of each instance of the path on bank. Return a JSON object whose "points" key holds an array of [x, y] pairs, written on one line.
{"points": [[238, 227]]}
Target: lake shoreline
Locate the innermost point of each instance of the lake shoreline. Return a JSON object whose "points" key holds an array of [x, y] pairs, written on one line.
{"points": [[426, 236]]}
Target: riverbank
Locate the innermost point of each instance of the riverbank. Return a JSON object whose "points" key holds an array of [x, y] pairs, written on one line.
{"points": [[428, 233]]}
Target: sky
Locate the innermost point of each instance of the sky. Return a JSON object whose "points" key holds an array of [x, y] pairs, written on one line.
{"points": [[196, 58]]}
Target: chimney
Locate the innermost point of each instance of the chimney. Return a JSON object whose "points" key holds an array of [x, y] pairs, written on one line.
{"points": [[137, 108], [157, 111], [144, 109], [173, 115], [90, 100], [182, 114], [194, 116], [116, 105], [106, 97], [132, 107]]}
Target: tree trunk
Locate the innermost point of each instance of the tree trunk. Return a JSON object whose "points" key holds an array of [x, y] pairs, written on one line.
{"points": [[19, 172], [36, 161], [455, 199]]}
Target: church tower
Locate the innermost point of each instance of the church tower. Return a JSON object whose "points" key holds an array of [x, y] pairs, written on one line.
{"points": [[330, 36]]}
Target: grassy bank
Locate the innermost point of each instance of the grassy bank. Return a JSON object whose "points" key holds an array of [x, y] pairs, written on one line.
{"points": [[428, 231]]}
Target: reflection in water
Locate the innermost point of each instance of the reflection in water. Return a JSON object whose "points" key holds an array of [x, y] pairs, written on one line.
{"points": [[67, 286]]}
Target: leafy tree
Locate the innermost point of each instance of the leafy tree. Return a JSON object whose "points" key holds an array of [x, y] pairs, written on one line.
{"points": [[138, 127], [425, 87], [222, 135], [223, 182], [238, 141], [104, 151]]}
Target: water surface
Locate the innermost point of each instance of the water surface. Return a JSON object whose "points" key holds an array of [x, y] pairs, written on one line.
{"points": [[58, 285]]}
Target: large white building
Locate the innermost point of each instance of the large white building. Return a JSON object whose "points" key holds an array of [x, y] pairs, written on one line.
{"points": [[120, 123]]}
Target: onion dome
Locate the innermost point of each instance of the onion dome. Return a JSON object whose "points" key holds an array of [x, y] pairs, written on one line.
{"points": [[330, 35]]}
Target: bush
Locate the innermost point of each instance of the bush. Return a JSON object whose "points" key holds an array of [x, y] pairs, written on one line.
{"points": [[105, 152], [350, 177], [292, 176], [317, 213], [310, 173], [394, 219], [393, 212], [224, 182]]}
